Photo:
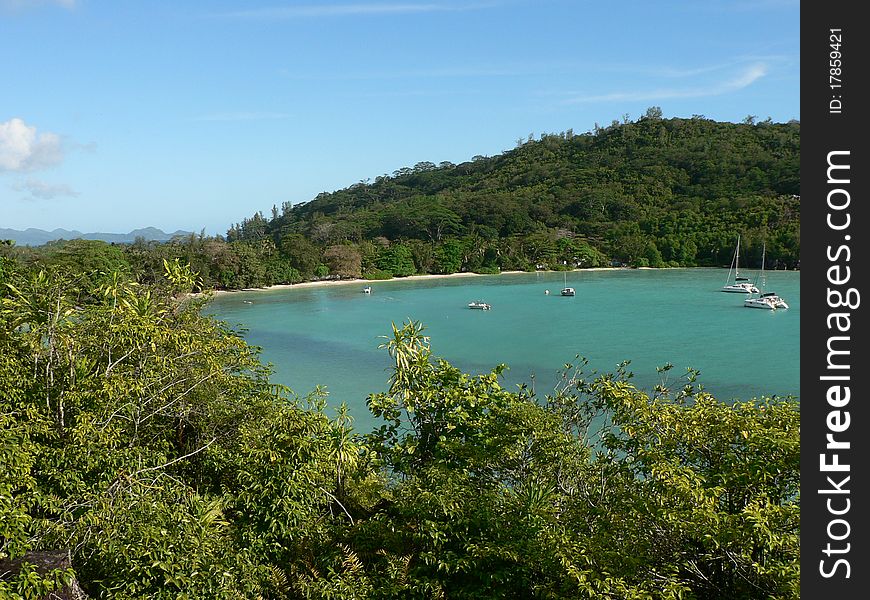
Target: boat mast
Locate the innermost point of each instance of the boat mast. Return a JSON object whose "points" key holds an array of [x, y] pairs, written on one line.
{"points": [[737, 259], [733, 261], [761, 273]]}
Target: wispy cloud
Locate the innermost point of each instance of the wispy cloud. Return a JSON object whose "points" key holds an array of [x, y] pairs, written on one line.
{"points": [[345, 10], [23, 149], [683, 72], [23, 4], [410, 74], [242, 116], [516, 69], [558, 68], [746, 5], [745, 78], [41, 190]]}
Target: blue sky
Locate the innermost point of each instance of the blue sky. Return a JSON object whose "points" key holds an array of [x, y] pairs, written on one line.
{"points": [[189, 115]]}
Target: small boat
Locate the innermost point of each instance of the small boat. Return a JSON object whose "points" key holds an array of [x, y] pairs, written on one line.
{"points": [[567, 291], [479, 305], [739, 285], [367, 289], [765, 300]]}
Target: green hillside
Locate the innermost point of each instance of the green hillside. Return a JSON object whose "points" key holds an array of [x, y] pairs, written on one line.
{"points": [[660, 191], [655, 192]]}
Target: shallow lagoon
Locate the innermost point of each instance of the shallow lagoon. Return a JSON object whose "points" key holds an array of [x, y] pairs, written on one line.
{"points": [[329, 335]]}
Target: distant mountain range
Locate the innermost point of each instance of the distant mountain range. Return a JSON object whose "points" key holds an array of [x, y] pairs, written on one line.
{"points": [[37, 237]]}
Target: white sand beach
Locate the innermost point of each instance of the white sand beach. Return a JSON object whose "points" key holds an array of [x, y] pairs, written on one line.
{"points": [[337, 282]]}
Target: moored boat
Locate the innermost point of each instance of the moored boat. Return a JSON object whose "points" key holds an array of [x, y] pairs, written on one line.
{"points": [[739, 285], [765, 300], [769, 301], [566, 291]]}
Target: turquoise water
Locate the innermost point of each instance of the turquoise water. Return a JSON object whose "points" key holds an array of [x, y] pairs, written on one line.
{"points": [[329, 335]]}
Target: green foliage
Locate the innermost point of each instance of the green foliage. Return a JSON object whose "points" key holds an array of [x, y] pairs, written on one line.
{"points": [[91, 259], [156, 538], [125, 418], [696, 494], [29, 583], [302, 255], [397, 260], [448, 257], [730, 475], [16, 480], [147, 439], [377, 274]]}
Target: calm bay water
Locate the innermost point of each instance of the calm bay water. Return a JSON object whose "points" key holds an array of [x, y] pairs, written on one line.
{"points": [[329, 335]]}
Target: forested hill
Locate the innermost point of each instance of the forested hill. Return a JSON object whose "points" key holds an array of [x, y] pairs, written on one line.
{"points": [[655, 191]]}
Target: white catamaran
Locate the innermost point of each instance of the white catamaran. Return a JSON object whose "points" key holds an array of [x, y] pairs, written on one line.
{"points": [[766, 300], [738, 285]]}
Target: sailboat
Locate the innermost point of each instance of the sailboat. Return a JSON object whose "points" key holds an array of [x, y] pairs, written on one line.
{"points": [[739, 285], [567, 291], [766, 300]]}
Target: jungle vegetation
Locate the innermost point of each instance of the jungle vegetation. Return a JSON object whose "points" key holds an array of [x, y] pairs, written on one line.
{"points": [[147, 439]]}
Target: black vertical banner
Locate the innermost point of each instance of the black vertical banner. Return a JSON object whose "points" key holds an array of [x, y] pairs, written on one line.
{"points": [[835, 431]]}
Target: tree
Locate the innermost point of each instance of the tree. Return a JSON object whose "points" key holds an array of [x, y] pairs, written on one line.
{"points": [[130, 383], [653, 113], [473, 468], [541, 249], [147, 438], [91, 259], [344, 261], [448, 257], [301, 253], [694, 494], [397, 260]]}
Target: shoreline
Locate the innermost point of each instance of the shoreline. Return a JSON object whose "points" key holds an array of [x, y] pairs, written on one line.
{"points": [[340, 282], [337, 282]]}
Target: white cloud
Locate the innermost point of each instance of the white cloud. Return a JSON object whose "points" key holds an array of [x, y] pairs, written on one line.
{"points": [[744, 79], [22, 149], [45, 191], [342, 10]]}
